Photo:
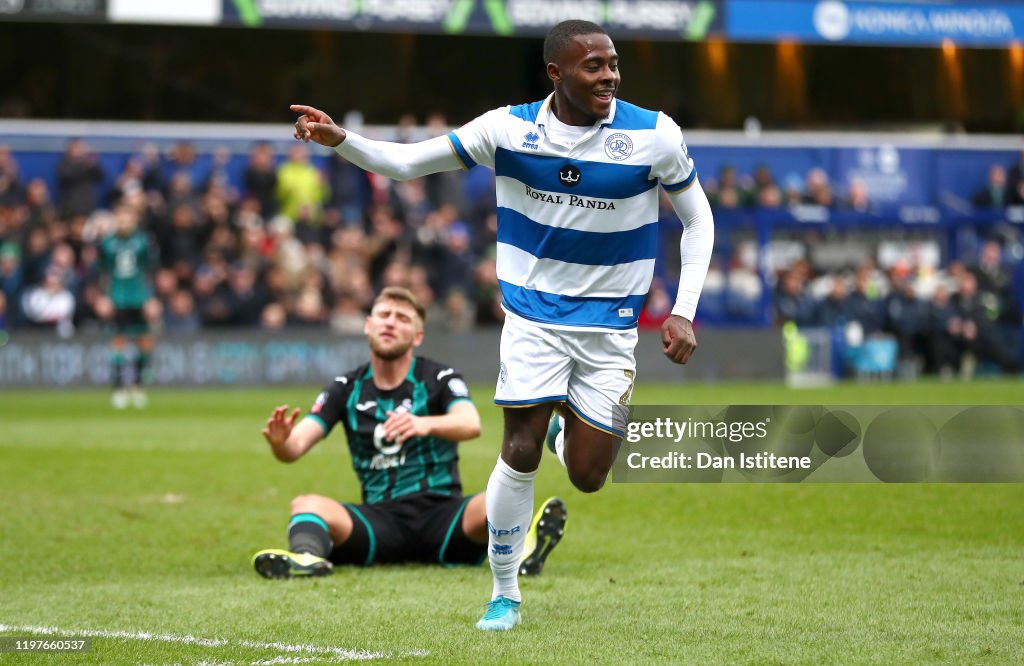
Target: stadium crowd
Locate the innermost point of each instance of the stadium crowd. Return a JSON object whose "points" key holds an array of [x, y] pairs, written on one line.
{"points": [[293, 245]]}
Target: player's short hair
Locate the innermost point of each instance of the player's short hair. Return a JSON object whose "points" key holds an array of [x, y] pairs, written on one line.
{"points": [[402, 295], [563, 33]]}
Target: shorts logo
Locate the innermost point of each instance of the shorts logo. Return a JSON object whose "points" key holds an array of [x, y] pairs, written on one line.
{"points": [[570, 175], [618, 146], [502, 374]]}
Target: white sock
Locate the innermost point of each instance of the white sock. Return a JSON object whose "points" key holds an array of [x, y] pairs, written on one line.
{"points": [[560, 441], [509, 511]]}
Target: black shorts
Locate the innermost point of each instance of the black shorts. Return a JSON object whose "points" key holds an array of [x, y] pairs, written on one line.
{"points": [[130, 321], [423, 528]]}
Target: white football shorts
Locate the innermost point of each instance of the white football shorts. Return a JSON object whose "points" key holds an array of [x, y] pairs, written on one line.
{"points": [[592, 372]]}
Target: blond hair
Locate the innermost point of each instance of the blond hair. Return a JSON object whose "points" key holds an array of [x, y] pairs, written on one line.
{"points": [[402, 295]]}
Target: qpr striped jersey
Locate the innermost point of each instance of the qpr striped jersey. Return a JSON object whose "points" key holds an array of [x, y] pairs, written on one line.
{"points": [[577, 224]]}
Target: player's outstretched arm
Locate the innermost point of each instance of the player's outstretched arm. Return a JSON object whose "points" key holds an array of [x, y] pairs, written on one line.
{"points": [[462, 422], [289, 440], [399, 161]]}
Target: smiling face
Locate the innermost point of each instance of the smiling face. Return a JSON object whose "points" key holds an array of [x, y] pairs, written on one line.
{"points": [[586, 76], [393, 329]]}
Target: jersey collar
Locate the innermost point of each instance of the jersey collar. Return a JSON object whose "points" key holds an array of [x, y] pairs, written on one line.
{"points": [[545, 110]]}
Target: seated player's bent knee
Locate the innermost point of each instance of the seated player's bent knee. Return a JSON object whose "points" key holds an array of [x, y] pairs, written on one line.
{"points": [[307, 503]]}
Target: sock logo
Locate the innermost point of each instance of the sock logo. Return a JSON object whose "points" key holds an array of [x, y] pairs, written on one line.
{"points": [[501, 533], [501, 549]]}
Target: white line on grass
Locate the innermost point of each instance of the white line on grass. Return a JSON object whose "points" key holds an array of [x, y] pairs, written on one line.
{"points": [[315, 650]]}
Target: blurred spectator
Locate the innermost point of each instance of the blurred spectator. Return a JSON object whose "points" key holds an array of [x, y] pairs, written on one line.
{"points": [[834, 310], [995, 283], [857, 199], [995, 193], [182, 161], [78, 176], [12, 191], [769, 197], [906, 318], [945, 348], [863, 305], [1015, 181], [50, 304], [152, 171], [218, 178], [179, 316], [182, 242], [248, 297], [300, 186], [260, 179], [274, 317], [793, 303], [39, 211], [348, 316], [978, 334], [351, 192], [727, 193], [818, 191], [793, 193], [459, 314], [10, 278], [763, 180]]}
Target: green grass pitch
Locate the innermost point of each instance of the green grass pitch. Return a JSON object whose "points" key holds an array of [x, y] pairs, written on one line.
{"points": [[138, 526]]}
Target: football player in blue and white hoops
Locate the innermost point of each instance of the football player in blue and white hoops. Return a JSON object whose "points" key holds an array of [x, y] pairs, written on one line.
{"points": [[577, 178]]}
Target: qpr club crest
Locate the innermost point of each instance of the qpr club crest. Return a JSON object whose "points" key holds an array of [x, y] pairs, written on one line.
{"points": [[618, 146]]}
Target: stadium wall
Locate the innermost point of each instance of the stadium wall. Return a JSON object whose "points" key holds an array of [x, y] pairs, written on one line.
{"points": [[254, 359]]}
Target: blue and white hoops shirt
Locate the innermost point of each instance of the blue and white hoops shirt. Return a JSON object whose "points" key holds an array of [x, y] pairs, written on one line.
{"points": [[577, 226]]}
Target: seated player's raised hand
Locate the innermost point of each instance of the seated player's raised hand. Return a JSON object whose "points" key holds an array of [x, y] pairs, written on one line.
{"points": [[280, 425]]}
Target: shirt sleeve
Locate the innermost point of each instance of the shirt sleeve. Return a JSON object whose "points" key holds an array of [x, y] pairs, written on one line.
{"points": [[673, 165], [695, 246], [475, 142], [329, 407], [451, 388], [399, 161]]}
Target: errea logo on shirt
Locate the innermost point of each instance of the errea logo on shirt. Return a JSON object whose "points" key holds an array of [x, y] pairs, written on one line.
{"points": [[531, 141]]}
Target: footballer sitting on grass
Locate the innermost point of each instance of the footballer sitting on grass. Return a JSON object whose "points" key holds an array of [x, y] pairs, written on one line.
{"points": [[403, 416]]}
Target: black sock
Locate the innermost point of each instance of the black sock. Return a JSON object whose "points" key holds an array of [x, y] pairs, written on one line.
{"points": [[118, 369], [142, 377], [307, 533]]}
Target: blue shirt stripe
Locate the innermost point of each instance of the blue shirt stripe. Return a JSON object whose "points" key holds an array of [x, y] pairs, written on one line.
{"points": [[547, 308], [527, 112], [600, 180], [678, 187], [632, 117], [460, 150], [592, 248]]}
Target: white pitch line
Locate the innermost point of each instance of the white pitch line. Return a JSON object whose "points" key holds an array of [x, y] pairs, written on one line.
{"points": [[335, 652]]}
